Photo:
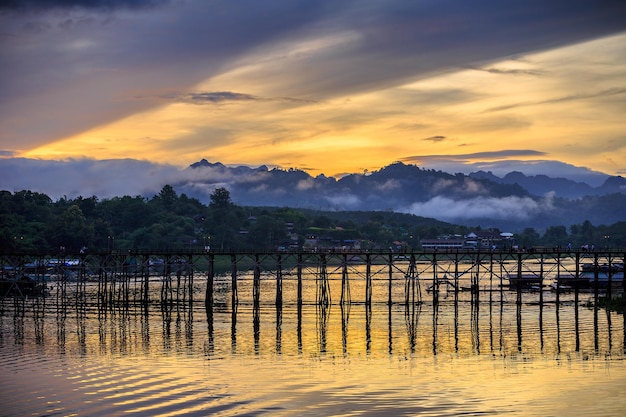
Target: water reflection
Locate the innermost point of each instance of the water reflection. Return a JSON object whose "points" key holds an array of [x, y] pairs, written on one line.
{"points": [[345, 317], [453, 328], [161, 358]]}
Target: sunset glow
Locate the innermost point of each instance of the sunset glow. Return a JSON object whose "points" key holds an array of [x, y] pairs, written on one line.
{"points": [[319, 100]]}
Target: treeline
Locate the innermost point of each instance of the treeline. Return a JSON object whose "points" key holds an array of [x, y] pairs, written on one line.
{"points": [[32, 222]]}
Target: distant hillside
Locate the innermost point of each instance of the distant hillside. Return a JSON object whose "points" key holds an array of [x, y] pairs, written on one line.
{"points": [[481, 198], [540, 185]]}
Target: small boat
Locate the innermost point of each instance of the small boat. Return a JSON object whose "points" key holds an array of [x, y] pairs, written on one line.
{"points": [[525, 281], [613, 272], [566, 282]]}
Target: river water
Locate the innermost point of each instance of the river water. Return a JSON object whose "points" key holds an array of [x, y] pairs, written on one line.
{"points": [[492, 357]]}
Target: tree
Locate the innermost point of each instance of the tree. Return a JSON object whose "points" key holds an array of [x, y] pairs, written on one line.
{"points": [[556, 236], [168, 196], [72, 230], [220, 199], [528, 238]]}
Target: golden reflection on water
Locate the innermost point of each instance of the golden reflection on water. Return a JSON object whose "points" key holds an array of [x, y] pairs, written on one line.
{"points": [[493, 358]]}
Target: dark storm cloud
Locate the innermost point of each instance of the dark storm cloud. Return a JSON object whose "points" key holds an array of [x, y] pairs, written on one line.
{"points": [[70, 77], [401, 40], [84, 67], [33, 5]]}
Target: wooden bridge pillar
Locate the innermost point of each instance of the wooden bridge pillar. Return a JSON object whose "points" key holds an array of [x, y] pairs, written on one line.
{"points": [[233, 279], [208, 298], [519, 279], [299, 277], [323, 286], [256, 284], [411, 285], [345, 283], [435, 284], [279, 281], [390, 273], [368, 277]]}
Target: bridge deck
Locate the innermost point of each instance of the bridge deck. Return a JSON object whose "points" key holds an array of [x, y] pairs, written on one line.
{"points": [[323, 277]]}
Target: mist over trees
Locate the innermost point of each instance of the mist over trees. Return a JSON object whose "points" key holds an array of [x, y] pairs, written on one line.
{"points": [[33, 222]]}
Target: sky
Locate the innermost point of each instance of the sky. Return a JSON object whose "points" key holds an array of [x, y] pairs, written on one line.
{"points": [[330, 87]]}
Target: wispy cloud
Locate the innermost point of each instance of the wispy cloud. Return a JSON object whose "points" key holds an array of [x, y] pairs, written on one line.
{"points": [[216, 97], [509, 71], [505, 153], [437, 138], [572, 97]]}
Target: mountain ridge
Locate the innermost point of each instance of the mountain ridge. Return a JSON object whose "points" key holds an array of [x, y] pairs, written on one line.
{"points": [[478, 198]]}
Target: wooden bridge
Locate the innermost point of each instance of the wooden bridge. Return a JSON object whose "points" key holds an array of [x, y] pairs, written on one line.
{"points": [[321, 277]]}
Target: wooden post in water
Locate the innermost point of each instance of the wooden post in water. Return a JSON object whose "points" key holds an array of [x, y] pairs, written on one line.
{"points": [[501, 262], [541, 269], [112, 278], [596, 277], [190, 268], [576, 295], [368, 276], [256, 285], [323, 287], [345, 284], [126, 276], [435, 284], [179, 269], [233, 280], [490, 278], [518, 287], [166, 289], [609, 283], [476, 280], [576, 287], [542, 260], [558, 279], [411, 285], [299, 277], [456, 277], [145, 267], [101, 284], [519, 321], [208, 297], [390, 271], [279, 282]]}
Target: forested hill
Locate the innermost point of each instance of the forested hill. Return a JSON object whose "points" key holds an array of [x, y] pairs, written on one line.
{"points": [[32, 222]]}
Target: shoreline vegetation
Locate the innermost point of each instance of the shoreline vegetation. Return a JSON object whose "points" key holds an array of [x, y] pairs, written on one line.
{"points": [[31, 222]]}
